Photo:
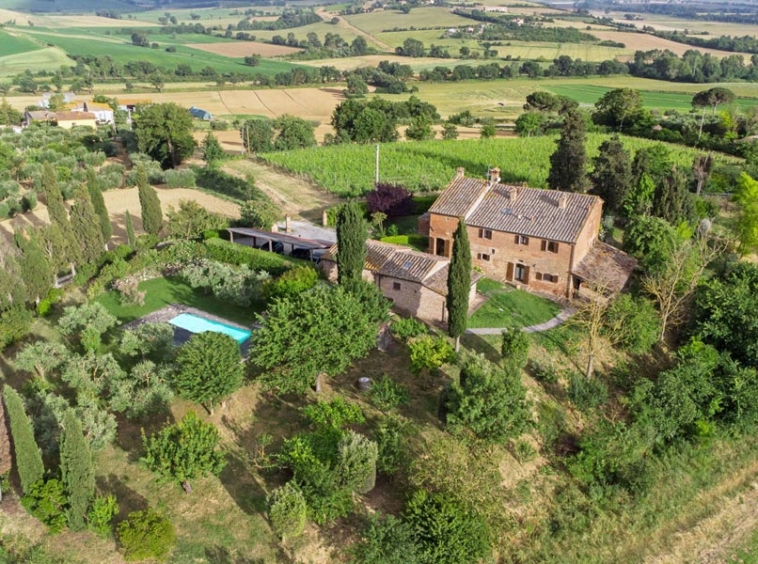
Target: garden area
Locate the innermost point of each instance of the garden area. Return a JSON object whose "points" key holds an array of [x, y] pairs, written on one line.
{"points": [[508, 307]]}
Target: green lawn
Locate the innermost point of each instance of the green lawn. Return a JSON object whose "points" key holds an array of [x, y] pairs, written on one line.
{"points": [[416, 242], [12, 45], [506, 307], [161, 292]]}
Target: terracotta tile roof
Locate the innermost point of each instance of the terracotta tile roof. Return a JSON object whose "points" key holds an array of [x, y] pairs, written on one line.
{"points": [[97, 106], [41, 115], [606, 266], [545, 214], [74, 116], [396, 261]]}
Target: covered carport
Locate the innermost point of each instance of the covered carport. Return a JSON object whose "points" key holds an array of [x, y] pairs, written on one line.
{"points": [[267, 240]]}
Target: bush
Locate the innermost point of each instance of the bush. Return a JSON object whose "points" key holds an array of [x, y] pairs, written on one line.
{"points": [[447, 530], [101, 513], [543, 371], [407, 328], [14, 325], [394, 201], [46, 500], [587, 393], [515, 347], [428, 353], [146, 534], [287, 510], [222, 183], [180, 178], [259, 214], [256, 259], [356, 462], [390, 439], [386, 394], [386, 540], [637, 322], [291, 283], [333, 414]]}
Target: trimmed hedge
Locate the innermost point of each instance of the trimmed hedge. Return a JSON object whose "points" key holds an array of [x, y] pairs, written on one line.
{"points": [[256, 259], [418, 242]]}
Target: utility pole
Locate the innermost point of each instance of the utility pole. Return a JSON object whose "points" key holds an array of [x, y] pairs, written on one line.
{"points": [[376, 168]]}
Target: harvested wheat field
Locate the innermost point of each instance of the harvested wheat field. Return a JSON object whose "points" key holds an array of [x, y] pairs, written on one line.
{"points": [[244, 48], [647, 42], [119, 201]]}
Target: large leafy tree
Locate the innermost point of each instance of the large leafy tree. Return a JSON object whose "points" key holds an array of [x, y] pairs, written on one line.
{"points": [[77, 470], [618, 107], [746, 196], [293, 133], [489, 401], [209, 368], [568, 164], [314, 332], [351, 244], [95, 189], [85, 224], [671, 199], [257, 135], [184, 451], [459, 284], [711, 98], [152, 213], [191, 219], [365, 122], [28, 455], [612, 174], [164, 131]]}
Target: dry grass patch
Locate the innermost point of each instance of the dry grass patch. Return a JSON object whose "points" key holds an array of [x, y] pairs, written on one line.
{"points": [[245, 48]]}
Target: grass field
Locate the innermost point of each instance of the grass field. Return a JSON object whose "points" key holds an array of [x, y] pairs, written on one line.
{"points": [[671, 23], [645, 42], [507, 307], [41, 59], [161, 292], [384, 20], [241, 49], [14, 45], [348, 170]]}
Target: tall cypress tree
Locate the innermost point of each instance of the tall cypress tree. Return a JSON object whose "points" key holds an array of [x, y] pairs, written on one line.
{"points": [[58, 214], [351, 244], [568, 164], [612, 174], [77, 470], [672, 200], [458, 284], [152, 214], [131, 238], [34, 268], [28, 455], [85, 225], [98, 202]]}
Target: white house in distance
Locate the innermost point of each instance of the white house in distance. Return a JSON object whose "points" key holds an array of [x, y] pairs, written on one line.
{"points": [[103, 112]]}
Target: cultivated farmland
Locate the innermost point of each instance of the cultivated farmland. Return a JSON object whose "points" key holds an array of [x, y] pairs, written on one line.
{"points": [[647, 42], [240, 49], [348, 170]]}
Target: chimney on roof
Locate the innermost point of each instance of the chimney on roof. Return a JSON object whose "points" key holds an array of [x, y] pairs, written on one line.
{"points": [[495, 175], [287, 224], [461, 172], [562, 200], [513, 194]]}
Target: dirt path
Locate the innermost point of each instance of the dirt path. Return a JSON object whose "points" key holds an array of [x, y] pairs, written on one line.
{"points": [[297, 197], [343, 23]]}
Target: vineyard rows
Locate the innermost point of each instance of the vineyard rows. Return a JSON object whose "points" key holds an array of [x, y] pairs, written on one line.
{"points": [[348, 170]]}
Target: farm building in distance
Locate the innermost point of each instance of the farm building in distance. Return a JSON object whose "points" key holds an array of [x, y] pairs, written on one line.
{"points": [[66, 120], [415, 282], [542, 240], [199, 113]]}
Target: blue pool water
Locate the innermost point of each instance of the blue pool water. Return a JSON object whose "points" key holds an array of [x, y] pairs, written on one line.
{"points": [[196, 324]]}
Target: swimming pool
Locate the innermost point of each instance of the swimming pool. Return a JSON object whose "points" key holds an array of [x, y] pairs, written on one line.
{"points": [[197, 324]]}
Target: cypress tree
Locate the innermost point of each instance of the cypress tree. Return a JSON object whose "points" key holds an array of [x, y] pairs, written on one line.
{"points": [[131, 238], [612, 174], [671, 200], [85, 225], [34, 268], [77, 471], [28, 455], [96, 197], [568, 164], [58, 214], [458, 284], [152, 214], [351, 244]]}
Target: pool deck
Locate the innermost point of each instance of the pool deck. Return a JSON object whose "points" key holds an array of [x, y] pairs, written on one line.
{"points": [[181, 336]]}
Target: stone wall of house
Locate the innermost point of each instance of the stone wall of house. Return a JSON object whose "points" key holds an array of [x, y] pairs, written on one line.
{"points": [[589, 232], [441, 229], [413, 298]]}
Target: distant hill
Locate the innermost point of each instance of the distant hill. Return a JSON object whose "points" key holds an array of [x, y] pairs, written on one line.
{"points": [[125, 6]]}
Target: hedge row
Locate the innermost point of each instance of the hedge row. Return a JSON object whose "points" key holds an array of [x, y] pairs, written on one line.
{"points": [[256, 259]]}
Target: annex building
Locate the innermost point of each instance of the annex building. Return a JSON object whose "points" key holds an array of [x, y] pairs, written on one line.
{"points": [[542, 240]]}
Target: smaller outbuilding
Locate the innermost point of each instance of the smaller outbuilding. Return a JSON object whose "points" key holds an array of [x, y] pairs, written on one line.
{"points": [[415, 282]]}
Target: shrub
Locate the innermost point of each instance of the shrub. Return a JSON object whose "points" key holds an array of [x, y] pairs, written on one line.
{"points": [[446, 529], [523, 451], [287, 510], [291, 283], [587, 393], [223, 183], [43, 307], [637, 322], [386, 394], [515, 347], [256, 259], [394, 201], [356, 462], [390, 439], [407, 328], [259, 214], [46, 500], [543, 371], [428, 353], [101, 513], [333, 414], [387, 540], [180, 178], [146, 534], [14, 325]]}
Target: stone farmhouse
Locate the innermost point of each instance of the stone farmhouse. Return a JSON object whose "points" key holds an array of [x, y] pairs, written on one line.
{"points": [[415, 282], [540, 240]]}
